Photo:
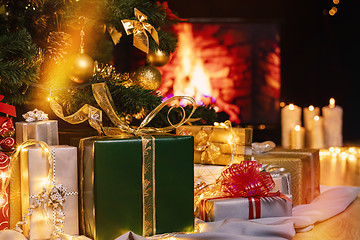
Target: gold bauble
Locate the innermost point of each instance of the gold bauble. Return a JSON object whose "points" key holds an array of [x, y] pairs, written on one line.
{"points": [[148, 77], [81, 67], [157, 58], [11, 235]]}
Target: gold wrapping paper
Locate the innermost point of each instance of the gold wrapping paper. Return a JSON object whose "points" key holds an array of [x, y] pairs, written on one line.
{"points": [[34, 170], [46, 131], [222, 159], [15, 195], [221, 135], [215, 145], [304, 167]]}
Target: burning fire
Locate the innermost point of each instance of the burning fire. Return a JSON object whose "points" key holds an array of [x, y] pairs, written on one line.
{"points": [[191, 77]]}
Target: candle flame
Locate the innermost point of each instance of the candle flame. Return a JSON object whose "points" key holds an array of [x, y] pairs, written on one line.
{"points": [[291, 106], [311, 108], [297, 128], [332, 102], [316, 118]]}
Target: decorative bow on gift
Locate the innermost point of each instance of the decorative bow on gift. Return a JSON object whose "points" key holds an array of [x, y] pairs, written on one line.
{"points": [[246, 180], [210, 150], [138, 28], [35, 115]]}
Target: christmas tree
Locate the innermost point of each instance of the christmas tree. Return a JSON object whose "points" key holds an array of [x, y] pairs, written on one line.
{"points": [[59, 48]]}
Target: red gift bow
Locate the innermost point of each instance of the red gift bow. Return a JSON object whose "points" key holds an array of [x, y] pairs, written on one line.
{"points": [[246, 180], [6, 108]]}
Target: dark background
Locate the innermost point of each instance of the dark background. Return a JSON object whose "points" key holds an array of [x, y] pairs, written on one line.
{"points": [[319, 53]]}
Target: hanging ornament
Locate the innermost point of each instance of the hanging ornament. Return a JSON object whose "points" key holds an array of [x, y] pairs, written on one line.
{"points": [[148, 77], [138, 28], [157, 58], [82, 66]]}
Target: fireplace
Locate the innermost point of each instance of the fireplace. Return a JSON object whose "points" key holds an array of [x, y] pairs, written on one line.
{"points": [[228, 63]]}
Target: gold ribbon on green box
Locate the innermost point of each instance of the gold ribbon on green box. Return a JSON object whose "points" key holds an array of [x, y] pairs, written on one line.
{"points": [[94, 116]]}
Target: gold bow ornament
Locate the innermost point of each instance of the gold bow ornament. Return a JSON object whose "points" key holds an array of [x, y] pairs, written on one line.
{"points": [[138, 28]]}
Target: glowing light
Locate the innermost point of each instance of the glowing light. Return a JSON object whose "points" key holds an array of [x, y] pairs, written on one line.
{"points": [[352, 157], [337, 150], [282, 104], [311, 108], [46, 150], [262, 127], [45, 182], [316, 118], [351, 150], [332, 103], [336, 1], [332, 11], [343, 155], [334, 155], [297, 128], [332, 149], [48, 99], [3, 176], [216, 124], [291, 106]]}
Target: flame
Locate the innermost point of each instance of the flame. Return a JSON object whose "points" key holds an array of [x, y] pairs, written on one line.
{"points": [[191, 78]]}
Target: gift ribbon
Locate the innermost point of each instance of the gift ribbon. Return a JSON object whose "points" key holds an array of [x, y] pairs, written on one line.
{"points": [[211, 151], [52, 196], [35, 115], [103, 98], [7, 127], [6, 108], [138, 28], [244, 180]]}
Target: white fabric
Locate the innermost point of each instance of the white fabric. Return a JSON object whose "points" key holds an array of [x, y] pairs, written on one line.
{"points": [[331, 201]]}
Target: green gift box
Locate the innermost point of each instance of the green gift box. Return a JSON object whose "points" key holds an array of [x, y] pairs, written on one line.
{"points": [[111, 171]]}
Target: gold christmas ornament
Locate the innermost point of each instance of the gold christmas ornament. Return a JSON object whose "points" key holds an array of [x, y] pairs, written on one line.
{"points": [[157, 58], [148, 77], [81, 67]]}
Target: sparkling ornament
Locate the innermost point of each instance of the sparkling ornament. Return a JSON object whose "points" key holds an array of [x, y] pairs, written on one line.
{"points": [[148, 77], [11, 235], [81, 67], [157, 58]]}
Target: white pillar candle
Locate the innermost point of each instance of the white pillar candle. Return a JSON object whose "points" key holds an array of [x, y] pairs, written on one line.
{"points": [[333, 124], [297, 137], [309, 114], [290, 117], [317, 133]]}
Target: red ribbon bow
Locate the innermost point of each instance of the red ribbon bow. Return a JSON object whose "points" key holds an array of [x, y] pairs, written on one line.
{"points": [[246, 180], [169, 13], [6, 108]]}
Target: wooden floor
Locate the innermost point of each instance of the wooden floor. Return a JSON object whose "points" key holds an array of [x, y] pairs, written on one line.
{"points": [[345, 226]]}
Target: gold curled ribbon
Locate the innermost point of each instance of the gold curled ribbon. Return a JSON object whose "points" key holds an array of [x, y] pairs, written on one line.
{"points": [[138, 27], [103, 98]]}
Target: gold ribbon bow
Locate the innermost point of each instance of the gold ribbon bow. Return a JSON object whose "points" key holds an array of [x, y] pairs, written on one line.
{"points": [[138, 27]]}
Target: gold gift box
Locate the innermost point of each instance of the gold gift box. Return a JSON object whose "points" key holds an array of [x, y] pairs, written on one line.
{"points": [[223, 159], [220, 134], [304, 167], [215, 145]]}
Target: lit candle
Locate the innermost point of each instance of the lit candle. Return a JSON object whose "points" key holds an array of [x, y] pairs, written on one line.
{"points": [[290, 117], [297, 137], [309, 114], [333, 124], [317, 133]]}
